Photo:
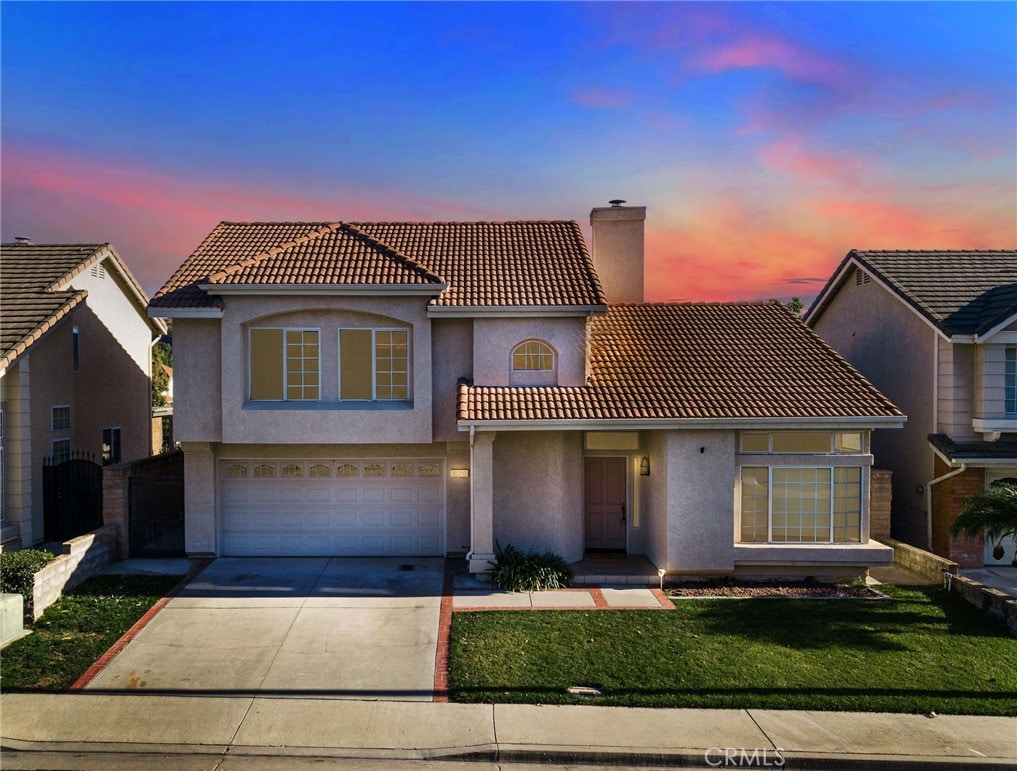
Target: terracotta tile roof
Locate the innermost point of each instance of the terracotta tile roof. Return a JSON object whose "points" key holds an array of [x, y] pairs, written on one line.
{"points": [[694, 361], [483, 263], [29, 305], [962, 292], [32, 297], [335, 254]]}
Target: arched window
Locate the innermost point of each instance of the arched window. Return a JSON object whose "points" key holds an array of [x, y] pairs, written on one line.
{"points": [[533, 363], [533, 355]]}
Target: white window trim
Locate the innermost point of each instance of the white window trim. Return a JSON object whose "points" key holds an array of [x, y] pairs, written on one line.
{"points": [[52, 414], [374, 364], [53, 443], [769, 506], [250, 373]]}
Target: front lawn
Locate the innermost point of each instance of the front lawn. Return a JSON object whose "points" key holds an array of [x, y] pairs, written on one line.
{"points": [[922, 651], [77, 629]]}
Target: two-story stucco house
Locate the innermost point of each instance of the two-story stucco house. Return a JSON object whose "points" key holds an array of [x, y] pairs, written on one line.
{"points": [[432, 388], [937, 332], [75, 351]]}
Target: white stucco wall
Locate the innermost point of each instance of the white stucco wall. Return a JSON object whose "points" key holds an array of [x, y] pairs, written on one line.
{"points": [[452, 346], [653, 527], [700, 496], [327, 420], [112, 301], [896, 350], [494, 339], [538, 491], [197, 375], [618, 251]]}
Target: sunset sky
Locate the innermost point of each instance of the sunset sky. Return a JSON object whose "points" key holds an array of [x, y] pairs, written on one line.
{"points": [[765, 139]]}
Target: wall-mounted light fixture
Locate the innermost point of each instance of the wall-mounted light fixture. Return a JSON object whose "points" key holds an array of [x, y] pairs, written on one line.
{"points": [[644, 467], [459, 473]]}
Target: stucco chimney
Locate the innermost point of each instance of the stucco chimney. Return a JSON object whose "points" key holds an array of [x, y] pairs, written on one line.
{"points": [[618, 250]]}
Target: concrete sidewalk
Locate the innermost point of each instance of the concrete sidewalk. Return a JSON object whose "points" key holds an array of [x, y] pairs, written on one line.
{"points": [[212, 727]]}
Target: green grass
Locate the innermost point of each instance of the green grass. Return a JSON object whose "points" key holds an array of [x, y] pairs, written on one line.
{"points": [[922, 651], [77, 629]]}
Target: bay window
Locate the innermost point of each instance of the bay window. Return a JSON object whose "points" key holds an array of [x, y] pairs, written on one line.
{"points": [[797, 504]]}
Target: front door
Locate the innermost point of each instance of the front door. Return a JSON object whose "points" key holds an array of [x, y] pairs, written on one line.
{"points": [[605, 503]]}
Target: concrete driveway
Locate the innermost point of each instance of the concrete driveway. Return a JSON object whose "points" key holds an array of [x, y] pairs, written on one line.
{"points": [[359, 628]]}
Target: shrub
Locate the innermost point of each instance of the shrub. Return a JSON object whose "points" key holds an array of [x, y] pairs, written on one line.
{"points": [[515, 571], [17, 569]]}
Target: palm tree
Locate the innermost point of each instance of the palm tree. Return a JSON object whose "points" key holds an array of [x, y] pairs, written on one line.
{"points": [[992, 512]]}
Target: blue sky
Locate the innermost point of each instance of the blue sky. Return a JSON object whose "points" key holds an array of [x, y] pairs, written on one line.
{"points": [[766, 139]]}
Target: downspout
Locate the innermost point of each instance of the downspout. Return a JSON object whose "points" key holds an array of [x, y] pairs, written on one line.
{"points": [[928, 494]]}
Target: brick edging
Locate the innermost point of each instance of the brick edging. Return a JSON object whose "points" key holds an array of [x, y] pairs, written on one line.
{"points": [[440, 690], [663, 599], [103, 661]]}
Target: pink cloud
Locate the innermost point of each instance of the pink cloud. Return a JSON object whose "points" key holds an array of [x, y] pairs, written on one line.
{"points": [[788, 156], [740, 249], [602, 98], [156, 218], [756, 51]]}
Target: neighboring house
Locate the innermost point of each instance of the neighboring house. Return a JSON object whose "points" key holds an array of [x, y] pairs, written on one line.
{"points": [[937, 332], [75, 345], [437, 388]]}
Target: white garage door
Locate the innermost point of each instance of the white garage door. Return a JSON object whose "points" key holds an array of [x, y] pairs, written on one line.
{"points": [[333, 508]]}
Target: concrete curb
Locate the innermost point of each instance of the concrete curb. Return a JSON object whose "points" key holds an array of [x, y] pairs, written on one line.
{"points": [[495, 753]]}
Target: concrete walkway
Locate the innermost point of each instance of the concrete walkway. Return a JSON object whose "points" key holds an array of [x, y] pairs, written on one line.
{"points": [[189, 726], [342, 628]]}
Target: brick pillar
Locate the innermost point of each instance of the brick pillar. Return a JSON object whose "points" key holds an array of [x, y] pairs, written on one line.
{"points": [[115, 481], [948, 498], [880, 498]]}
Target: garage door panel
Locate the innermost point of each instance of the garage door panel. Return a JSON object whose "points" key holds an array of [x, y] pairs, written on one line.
{"points": [[294, 508]]}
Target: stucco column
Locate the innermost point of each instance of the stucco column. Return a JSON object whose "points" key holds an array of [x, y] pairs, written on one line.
{"points": [[481, 502], [199, 499]]}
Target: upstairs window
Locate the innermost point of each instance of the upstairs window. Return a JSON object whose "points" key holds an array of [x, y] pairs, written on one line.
{"points": [[533, 355], [60, 418], [1010, 383], [533, 363], [374, 364], [284, 364]]}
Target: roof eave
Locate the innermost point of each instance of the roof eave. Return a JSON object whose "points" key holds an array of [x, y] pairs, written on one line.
{"points": [[739, 424], [169, 312], [26, 342], [855, 259]]}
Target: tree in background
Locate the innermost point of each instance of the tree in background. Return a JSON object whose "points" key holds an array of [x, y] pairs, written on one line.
{"points": [[162, 354], [992, 512]]}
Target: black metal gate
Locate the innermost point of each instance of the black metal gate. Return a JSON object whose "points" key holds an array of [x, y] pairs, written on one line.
{"points": [[156, 512], [71, 496]]}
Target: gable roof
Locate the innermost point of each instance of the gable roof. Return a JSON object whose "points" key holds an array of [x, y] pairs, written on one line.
{"points": [[32, 297], [960, 292], [694, 362], [473, 264]]}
